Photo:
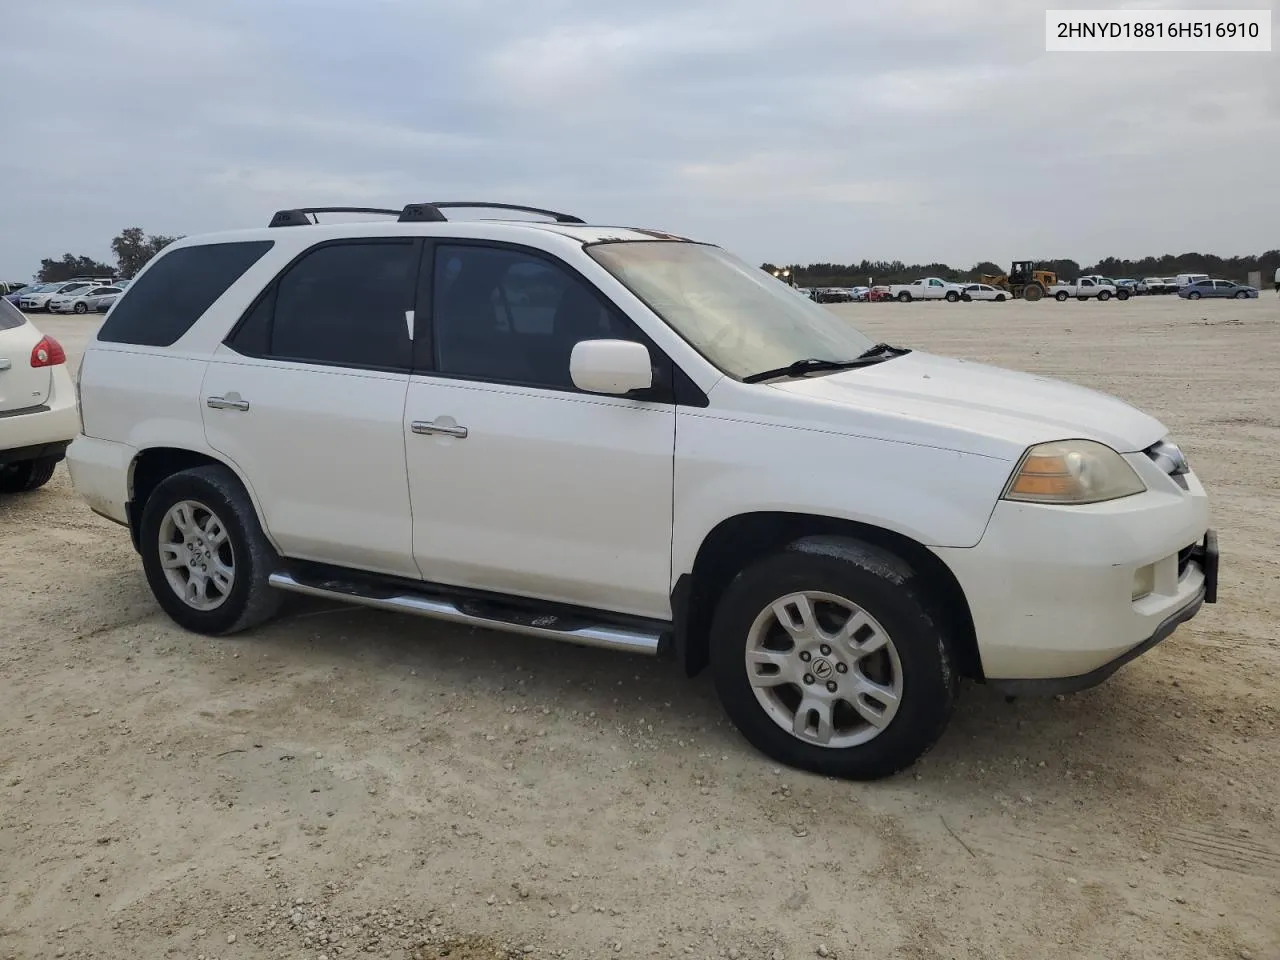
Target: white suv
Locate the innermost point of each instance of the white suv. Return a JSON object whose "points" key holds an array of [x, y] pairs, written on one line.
{"points": [[624, 438]]}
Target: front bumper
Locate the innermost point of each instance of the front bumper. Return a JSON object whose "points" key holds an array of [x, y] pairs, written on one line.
{"points": [[1060, 597], [1206, 555]]}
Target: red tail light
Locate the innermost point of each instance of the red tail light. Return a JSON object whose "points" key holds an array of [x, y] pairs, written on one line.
{"points": [[47, 353]]}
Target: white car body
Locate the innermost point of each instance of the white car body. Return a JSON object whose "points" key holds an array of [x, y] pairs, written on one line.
{"points": [[926, 288], [38, 416], [1186, 279], [984, 291], [89, 300], [408, 475], [1083, 289]]}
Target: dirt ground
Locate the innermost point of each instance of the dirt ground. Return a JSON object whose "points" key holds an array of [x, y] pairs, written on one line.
{"points": [[344, 782]]}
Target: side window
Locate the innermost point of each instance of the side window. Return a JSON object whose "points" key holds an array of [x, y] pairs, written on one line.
{"points": [[1086, 283], [175, 291], [513, 317], [342, 304], [10, 316]]}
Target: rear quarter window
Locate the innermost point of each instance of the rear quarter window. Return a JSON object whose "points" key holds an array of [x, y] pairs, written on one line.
{"points": [[174, 292], [10, 316]]}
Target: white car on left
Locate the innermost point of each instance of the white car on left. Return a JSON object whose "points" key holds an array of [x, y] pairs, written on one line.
{"points": [[32, 302], [38, 410], [92, 300]]}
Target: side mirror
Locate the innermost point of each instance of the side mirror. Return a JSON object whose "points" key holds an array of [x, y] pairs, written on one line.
{"points": [[611, 366]]}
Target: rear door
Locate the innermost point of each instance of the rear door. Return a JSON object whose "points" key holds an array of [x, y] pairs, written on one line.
{"points": [[22, 386], [307, 397]]}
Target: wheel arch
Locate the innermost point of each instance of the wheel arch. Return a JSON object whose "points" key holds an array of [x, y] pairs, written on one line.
{"points": [[151, 465], [738, 541]]}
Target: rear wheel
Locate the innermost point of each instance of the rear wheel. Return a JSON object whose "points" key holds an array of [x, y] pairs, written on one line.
{"points": [[826, 658], [27, 475], [204, 552], [1061, 296], [1104, 295], [1122, 295], [1193, 295]]}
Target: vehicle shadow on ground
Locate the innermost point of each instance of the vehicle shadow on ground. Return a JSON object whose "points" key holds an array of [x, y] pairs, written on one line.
{"points": [[1099, 741]]}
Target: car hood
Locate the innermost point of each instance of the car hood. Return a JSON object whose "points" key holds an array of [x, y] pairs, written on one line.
{"points": [[979, 408]]}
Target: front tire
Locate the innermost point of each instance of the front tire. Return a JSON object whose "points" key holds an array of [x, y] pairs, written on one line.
{"points": [[205, 555], [27, 475], [827, 658], [1242, 295], [904, 297], [952, 296], [1000, 298]]}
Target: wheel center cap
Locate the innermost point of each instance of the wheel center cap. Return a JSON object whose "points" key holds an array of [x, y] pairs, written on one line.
{"points": [[821, 668]]}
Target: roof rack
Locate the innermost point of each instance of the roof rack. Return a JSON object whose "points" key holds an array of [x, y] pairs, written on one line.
{"points": [[298, 217], [411, 213]]}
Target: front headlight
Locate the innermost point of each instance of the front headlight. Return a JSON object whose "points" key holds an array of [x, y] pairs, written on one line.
{"points": [[1072, 472]]}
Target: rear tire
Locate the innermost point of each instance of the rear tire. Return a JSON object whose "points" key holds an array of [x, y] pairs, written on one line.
{"points": [[785, 613], [1193, 295], [1104, 295], [205, 554], [1122, 295], [27, 475], [1061, 296]]}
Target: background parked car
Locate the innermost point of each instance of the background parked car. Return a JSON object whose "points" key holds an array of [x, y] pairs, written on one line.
{"points": [[983, 291], [1217, 288], [84, 301], [40, 301], [21, 292]]}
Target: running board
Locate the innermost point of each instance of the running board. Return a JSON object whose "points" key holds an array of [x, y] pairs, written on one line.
{"points": [[476, 613]]}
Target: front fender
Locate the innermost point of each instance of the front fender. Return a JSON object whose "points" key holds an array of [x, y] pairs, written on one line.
{"points": [[726, 467]]}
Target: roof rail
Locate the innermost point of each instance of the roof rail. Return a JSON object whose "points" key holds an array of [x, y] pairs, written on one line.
{"points": [[411, 213], [298, 217], [430, 212]]}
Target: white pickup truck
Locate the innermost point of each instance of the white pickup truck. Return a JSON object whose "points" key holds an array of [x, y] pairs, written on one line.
{"points": [[1083, 289], [926, 288]]}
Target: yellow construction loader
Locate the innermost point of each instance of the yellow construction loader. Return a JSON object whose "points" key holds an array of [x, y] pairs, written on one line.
{"points": [[1023, 281]]}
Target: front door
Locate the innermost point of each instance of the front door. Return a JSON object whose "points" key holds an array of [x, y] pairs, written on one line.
{"points": [[520, 483], [307, 398]]}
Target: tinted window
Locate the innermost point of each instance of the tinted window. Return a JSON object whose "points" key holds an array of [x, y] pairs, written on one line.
{"points": [[10, 316], [513, 317], [341, 304], [175, 291]]}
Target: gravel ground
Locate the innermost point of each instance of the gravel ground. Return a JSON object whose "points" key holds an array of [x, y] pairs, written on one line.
{"points": [[348, 783]]}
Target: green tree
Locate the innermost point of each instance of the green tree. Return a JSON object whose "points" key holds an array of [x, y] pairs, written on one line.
{"points": [[133, 248], [71, 265]]}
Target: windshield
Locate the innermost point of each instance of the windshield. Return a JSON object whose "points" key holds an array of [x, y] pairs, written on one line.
{"points": [[739, 317]]}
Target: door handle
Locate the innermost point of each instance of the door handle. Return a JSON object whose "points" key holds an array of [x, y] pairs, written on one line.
{"points": [[230, 402], [437, 428]]}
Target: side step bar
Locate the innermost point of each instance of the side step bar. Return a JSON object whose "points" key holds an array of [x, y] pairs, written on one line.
{"points": [[550, 626]]}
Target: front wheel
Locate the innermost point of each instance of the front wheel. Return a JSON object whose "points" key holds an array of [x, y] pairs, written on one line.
{"points": [[952, 296], [1242, 295], [1000, 298], [967, 298], [827, 658], [1122, 295], [904, 297], [204, 553]]}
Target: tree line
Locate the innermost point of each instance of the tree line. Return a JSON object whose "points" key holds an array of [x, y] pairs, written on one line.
{"points": [[895, 271], [132, 247]]}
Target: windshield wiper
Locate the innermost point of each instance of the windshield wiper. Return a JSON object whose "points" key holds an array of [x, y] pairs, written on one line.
{"points": [[877, 354]]}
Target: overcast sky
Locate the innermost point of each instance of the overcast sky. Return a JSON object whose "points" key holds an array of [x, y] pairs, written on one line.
{"points": [[789, 131]]}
